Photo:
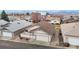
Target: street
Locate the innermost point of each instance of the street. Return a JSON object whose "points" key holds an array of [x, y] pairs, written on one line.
{"points": [[16, 45]]}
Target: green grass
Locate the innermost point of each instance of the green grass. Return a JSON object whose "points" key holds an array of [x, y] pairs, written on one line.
{"points": [[40, 42]]}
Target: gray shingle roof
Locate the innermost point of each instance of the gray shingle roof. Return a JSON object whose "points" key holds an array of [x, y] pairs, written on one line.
{"points": [[16, 25], [2, 22]]}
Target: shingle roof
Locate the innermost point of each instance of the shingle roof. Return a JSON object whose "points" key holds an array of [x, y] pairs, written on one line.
{"points": [[16, 25], [47, 27], [71, 29], [2, 22]]}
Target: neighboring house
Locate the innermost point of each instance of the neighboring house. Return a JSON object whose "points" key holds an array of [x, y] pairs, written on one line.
{"points": [[2, 25], [36, 17], [27, 18], [2, 22], [65, 17], [55, 22], [12, 18], [43, 31], [49, 18], [53, 19], [15, 28], [70, 33], [70, 19]]}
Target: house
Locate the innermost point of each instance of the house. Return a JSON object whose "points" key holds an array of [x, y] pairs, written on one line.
{"points": [[15, 28], [43, 31], [2, 25], [49, 17], [53, 19], [12, 18], [2, 22], [27, 18], [55, 22], [36, 17], [70, 33], [70, 18]]}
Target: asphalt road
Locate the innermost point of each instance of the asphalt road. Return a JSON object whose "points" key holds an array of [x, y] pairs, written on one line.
{"points": [[16, 45]]}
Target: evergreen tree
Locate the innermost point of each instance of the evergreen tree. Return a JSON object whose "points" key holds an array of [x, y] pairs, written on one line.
{"points": [[27, 14], [4, 16], [47, 13]]}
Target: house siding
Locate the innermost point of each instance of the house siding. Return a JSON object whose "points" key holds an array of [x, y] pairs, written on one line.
{"points": [[42, 36], [73, 40]]}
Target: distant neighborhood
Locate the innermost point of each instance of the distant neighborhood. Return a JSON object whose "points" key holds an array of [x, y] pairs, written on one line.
{"points": [[41, 28]]}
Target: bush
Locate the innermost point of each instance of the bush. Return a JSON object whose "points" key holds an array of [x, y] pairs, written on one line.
{"points": [[66, 44]]}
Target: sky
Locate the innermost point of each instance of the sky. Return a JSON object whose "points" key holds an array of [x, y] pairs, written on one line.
{"points": [[49, 11]]}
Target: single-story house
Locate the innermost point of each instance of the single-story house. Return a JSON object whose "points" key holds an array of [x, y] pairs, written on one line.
{"points": [[2, 25], [53, 19], [55, 22], [3, 22], [70, 19], [27, 18], [70, 33], [12, 18], [15, 28], [43, 31]]}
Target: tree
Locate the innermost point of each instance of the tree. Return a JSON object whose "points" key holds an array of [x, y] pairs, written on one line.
{"points": [[4, 16], [47, 13], [27, 14]]}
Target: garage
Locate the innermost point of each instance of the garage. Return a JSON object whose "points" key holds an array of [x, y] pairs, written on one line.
{"points": [[42, 36], [7, 34], [73, 40]]}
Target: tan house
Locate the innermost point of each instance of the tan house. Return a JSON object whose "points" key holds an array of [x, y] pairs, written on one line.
{"points": [[43, 31], [48, 17], [36, 17], [70, 19], [70, 33], [53, 19], [2, 25]]}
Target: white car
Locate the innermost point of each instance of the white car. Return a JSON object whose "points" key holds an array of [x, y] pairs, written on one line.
{"points": [[54, 22]]}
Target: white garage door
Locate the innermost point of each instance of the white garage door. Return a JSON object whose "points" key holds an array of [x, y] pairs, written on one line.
{"points": [[7, 34], [0, 33], [43, 38], [73, 40]]}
